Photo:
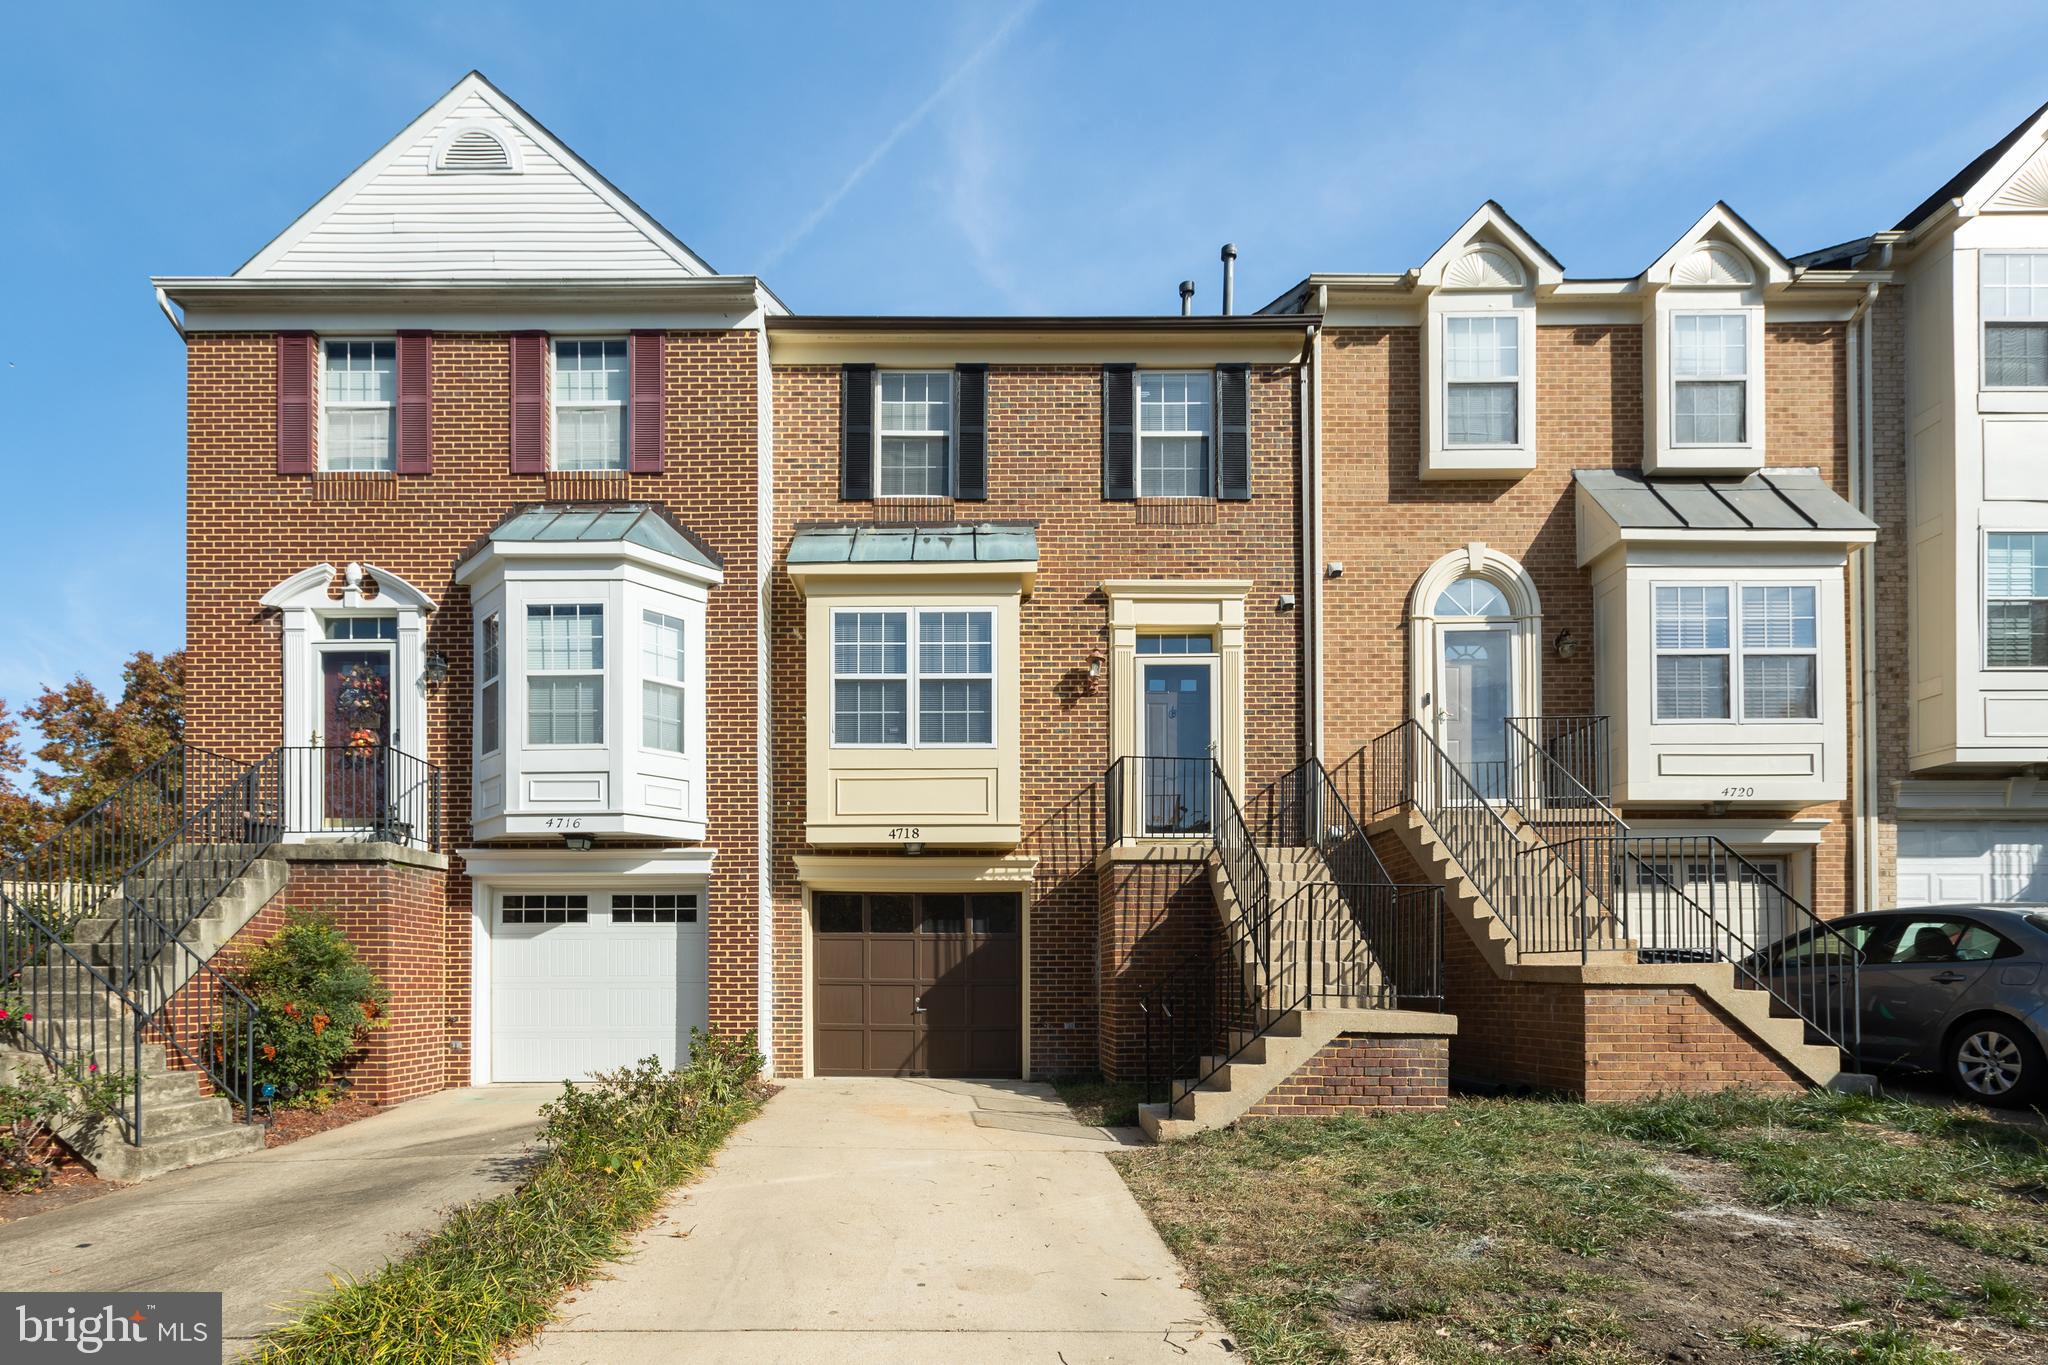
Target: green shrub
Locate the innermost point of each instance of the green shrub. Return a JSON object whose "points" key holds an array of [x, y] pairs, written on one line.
{"points": [[316, 1003]]}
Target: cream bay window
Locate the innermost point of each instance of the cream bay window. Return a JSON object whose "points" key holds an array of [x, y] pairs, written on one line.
{"points": [[1482, 380], [2016, 599], [916, 427], [1780, 662], [1710, 379], [870, 677], [956, 677], [1691, 643], [564, 673], [590, 404], [1774, 632], [2013, 293], [359, 406], [877, 679], [1173, 434], [661, 682]]}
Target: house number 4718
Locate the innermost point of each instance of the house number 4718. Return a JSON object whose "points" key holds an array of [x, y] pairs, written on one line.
{"points": [[906, 832]]}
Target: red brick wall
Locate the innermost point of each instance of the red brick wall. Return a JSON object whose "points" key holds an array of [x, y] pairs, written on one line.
{"points": [[248, 528], [1154, 915], [1363, 1073], [1045, 465], [1387, 525]]}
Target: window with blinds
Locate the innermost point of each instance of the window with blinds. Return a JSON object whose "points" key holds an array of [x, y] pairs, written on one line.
{"points": [[2013, 298], [1482, 374], [916, 422], [565, 673], [1710, 379], [1691, 642], [359, 406], [878, 680], [1751, 651], [2016, 599]]}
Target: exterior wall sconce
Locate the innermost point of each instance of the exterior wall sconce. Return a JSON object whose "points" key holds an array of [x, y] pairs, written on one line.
{"points": [[436, 671], [1565, 646], [1287, 601], [913, 848], [1095, 660], [1334, 569], [578, 843]]}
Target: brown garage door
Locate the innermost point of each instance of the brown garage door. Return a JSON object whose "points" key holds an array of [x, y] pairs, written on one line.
{"points": [[916, 985]]}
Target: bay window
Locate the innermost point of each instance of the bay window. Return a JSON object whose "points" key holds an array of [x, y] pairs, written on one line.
{"points": [[661, 682], [1691, 643], [1764, 656], [490, 721], [359, 406], [590, 404], [877, 679], [2013, 293], [1482, 380], [564, 673], [916, 426], [1780, 662], [1173, 433], [1710, 378], [2016, 599]]}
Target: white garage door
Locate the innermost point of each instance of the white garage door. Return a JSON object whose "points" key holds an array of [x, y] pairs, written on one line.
{"points": [[588, 982], [1956, 864]]}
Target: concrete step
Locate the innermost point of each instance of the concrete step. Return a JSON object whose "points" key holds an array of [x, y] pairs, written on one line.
{"points": [[118, 1160]]}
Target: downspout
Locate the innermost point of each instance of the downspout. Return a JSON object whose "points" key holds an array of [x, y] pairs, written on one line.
{"points": [[163, 301], [1311, 409], [764, 736], [1862, 599]]}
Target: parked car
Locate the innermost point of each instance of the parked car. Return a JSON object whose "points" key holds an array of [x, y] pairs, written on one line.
{"points": [[1959, 989]]}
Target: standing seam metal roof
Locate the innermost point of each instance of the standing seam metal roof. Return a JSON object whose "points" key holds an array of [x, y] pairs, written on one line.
{"points": [[634, 523], [1773, 500]]}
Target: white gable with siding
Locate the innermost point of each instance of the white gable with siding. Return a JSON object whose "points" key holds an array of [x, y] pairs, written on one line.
{"points": [[474, 188]]}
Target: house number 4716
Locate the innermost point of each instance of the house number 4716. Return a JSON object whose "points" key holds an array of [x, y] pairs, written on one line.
{"points": [[565, 822]]}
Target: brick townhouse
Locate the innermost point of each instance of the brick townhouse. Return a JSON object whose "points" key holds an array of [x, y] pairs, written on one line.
{"points": [[1465, 668]]}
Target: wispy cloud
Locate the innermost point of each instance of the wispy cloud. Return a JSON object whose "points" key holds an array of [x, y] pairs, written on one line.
{"points": [[897, 134]]}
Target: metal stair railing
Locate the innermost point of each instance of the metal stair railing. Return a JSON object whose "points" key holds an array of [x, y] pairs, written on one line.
{"points": [[1689, 897]]}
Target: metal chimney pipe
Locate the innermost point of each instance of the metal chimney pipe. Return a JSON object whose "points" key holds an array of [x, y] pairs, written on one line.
{"points": [[1187, 297], [1229, 276]]}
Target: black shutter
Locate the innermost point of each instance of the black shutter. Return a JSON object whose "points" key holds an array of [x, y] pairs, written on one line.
{"points": [[1119, 433], [856, 433], [970, 433], [1233, 433]]}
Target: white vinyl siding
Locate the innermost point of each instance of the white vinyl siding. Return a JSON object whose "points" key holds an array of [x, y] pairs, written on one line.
{"points": [[1173, 434], [661, 682], [490, 722], [1710, 378], [565, 674], [2013, 289], [1482, 380], [916, 425], [2016, 599], [590, 405], [948, 680], [359, 406]]}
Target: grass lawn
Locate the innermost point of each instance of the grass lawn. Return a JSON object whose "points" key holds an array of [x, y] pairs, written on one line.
{"points": [[1106, 1104], [1809, 1231]]}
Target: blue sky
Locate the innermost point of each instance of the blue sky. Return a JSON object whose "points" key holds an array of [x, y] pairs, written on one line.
{"points": [[987, 157]]}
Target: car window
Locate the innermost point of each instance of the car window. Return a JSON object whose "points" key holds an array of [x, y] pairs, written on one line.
{"points": [[2039, 922], [1934, 939], [1833, 944]]}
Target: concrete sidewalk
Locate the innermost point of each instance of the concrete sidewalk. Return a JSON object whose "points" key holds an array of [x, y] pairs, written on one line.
{"points": [[268, 1228], [897, 1221]]}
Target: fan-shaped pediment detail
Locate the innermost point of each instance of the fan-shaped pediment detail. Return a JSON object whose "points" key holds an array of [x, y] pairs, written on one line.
{"points": [[1714, 264], [2027, 191], [1485, 267]]}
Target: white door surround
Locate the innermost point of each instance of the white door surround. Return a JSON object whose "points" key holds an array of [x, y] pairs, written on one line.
{"points": [[305, 604], [1473, 602]]}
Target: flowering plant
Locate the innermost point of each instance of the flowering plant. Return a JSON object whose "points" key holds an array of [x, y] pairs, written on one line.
{"points": [[316, 1003]]}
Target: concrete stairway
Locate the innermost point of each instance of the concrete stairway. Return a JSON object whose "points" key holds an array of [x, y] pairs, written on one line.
{"points": [[1612, 960], [182, 1125]]}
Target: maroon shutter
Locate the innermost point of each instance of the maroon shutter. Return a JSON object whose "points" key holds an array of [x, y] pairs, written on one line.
{"points": [[294, 402], [643, 364], [529, 403], [415, 402]]}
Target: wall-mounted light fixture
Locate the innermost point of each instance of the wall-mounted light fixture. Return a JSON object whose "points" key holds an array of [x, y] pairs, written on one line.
{"points": [[578, 843], [436, 671], [913, 848], [1287, 601], [1565, 646], [1334, 569]]}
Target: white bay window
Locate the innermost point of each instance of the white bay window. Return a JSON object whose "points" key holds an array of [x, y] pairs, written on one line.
{"points": [[1774, 633], [565, 673], [661, 682]]}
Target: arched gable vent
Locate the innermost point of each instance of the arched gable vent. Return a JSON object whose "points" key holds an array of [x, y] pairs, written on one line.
{"points": [[1485, 267], [474, 149], [1714, 264]]}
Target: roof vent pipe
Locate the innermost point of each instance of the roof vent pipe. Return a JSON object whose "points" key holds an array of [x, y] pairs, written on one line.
{"points": [[1229, 276], [1187, 297]]}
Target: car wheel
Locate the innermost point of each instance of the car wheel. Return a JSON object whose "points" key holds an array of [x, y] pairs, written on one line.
{"points": [[1994, 1062]]}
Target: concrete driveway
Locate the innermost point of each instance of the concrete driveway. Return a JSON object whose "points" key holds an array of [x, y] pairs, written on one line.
{"points": [[900, 1221], [268, 1228]]}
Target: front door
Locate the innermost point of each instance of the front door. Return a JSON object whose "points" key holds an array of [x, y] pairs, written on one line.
{"points": [[355, 690], [1475, 682], [1177, 726]]}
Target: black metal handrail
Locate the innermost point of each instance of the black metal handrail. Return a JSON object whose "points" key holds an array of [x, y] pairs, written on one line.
{"points": [[65, 1007], [367, 792], [1580, 763]]}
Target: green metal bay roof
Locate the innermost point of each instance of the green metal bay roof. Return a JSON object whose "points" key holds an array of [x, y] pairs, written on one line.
{"points": [[606, 523], [981, 543]]}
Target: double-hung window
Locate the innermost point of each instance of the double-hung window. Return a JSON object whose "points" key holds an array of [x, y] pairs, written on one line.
{"points": [[590, 404], [1710, 379], [564, 673], [359, 406], [1780, 653], [1700, 632], [948, 680], [490, 685], [2013, 289], [661, 682], [2016, 599], [1173, 434], [916, 427], [1482, 380]]}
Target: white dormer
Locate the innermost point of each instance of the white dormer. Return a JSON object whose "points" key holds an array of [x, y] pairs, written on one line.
{"points": [[1479, 348], [1703, 348]]}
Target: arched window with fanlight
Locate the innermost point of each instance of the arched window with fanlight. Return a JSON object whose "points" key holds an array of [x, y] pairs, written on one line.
{"points": [[1473, 625]]}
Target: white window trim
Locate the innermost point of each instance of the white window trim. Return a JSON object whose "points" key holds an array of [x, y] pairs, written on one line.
{"points": [[1736, 652], [528, 673], [1139, 434], [911, 677], [322, 445], [624, 405], [952, 419], [485, 680], [1520, 381], [679, 685], [1984, 322], [1748, 377], [1985, 599]]}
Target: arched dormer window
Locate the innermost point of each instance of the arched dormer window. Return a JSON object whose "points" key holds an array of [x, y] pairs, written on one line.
{"points": [[1479, 349]]}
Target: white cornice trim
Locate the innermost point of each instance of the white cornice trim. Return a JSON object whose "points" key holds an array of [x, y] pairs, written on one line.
{"points": [[923, 872], [561, 867]]}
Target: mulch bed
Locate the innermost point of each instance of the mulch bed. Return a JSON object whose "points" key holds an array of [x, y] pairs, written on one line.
{"points": [[67, 1185], [289, 1125]]}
